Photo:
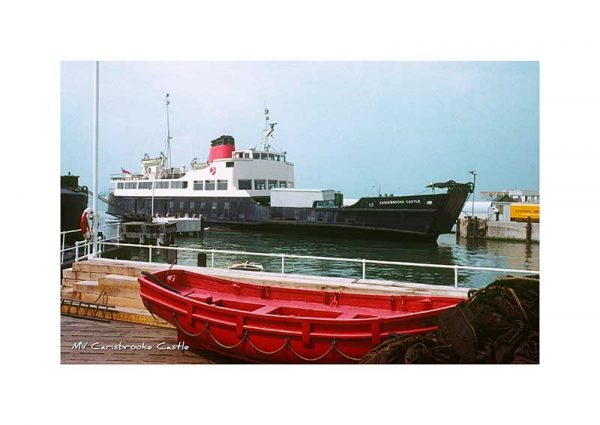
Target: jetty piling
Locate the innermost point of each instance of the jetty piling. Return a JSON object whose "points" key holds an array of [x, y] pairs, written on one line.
{"points": [[528, 235], [172, 255], [457, 230]]}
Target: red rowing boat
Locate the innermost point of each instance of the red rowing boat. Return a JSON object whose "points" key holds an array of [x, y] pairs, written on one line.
{"points": [[278, 324]]}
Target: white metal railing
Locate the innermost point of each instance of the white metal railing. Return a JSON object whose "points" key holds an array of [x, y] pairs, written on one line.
{"points": [[83, 243], [283, 258]]}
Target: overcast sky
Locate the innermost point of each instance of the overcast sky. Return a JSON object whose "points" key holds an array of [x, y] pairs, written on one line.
{"points": [[349, 126]]}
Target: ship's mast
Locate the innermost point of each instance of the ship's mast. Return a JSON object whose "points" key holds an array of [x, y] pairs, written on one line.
{"points": [[264, 145], [168, 149]]}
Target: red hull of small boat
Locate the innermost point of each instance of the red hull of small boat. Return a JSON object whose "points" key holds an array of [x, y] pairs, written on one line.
{"points": [[278, 324]]}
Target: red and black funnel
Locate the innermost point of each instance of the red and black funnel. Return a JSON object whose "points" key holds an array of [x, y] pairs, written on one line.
{"points": [[222, 147]]}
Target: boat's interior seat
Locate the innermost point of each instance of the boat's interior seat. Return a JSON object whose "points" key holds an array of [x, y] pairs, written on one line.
{"points": [[265, 309], [203, 297]]}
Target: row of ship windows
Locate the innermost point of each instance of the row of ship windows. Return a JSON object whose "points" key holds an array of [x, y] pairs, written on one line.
{"points": [[192, 205], [259, 184], [259, 155], [158, 185], [262, 184]]}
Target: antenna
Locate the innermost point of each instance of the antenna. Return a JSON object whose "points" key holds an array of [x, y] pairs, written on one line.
{"points": [[266, 117], [168, 149], [267, 132]]}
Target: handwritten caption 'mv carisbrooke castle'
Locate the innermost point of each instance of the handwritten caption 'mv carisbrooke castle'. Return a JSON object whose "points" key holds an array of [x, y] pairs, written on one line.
{"points": [[81, 345]]}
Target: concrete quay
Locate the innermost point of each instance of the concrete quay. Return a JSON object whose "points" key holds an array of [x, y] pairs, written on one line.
{"points": [[500, 230]]}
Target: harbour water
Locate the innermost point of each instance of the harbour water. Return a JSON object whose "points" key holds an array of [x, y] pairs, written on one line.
{"points": [[479, 253]]}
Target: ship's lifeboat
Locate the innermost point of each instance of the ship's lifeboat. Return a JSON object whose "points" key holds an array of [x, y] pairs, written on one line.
{"points": [[278, 324]]}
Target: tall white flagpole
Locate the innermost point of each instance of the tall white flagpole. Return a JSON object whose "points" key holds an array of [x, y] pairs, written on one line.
{"points": [[95, 161], [152, 206]]}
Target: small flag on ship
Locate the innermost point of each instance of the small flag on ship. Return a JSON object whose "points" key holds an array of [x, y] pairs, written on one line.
{"points": [[124, 171]]}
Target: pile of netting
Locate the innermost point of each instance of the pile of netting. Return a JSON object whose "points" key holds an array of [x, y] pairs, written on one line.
{"points": [[496, 324]]}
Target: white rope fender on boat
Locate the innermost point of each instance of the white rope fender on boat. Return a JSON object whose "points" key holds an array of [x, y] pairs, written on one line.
{"points": [[175, 322], [267, 353]]}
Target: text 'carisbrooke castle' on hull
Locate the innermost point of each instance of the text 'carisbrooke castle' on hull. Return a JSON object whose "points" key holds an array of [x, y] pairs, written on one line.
{"points": [[255, 189]]}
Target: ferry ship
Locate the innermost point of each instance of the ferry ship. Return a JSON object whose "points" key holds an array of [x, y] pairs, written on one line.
{"points": [[255, 189], [73, 200]]}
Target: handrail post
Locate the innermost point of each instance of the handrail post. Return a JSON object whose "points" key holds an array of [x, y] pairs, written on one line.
{"points": [[212, 258], [150, 254], [118, 233], [455, 276], [76, 251], [364, 268], [282, 263], [62, 252]]}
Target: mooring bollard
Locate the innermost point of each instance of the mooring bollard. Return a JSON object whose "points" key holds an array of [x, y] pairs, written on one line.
{"points": [[172, 255]]}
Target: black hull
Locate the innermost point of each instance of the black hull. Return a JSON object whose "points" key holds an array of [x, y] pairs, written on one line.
{"points": [[72, 205], [324, 230], [422, 217]]}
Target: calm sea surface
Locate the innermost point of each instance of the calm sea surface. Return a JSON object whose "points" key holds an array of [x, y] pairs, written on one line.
{"points": [[497, 254]]}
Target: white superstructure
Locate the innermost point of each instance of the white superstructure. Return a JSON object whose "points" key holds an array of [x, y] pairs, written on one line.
{"points": [[248, 173], [228, 173]]}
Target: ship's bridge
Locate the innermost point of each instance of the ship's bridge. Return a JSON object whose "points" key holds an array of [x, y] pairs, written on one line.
{"points": [[259, 171], [266, 156]]}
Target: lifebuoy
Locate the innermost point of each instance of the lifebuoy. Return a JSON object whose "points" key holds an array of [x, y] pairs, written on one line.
{"points": [[86, 223]]}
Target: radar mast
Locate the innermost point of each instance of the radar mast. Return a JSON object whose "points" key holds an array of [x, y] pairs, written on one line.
{"points": [[268, 131], [168, 144]]}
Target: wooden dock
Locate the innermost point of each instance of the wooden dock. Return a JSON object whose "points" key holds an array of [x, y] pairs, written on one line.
{"points": [[135, 338], [108, 290]]}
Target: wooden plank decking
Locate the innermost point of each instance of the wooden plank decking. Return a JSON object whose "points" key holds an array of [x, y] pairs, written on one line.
{"points": [[77, 330]]}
